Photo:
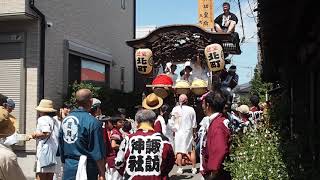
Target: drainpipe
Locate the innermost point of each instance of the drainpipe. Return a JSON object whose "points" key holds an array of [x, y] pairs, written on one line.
{"points": [[134, 50], [43, 24]]}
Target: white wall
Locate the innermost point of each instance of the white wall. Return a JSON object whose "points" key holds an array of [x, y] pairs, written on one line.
{"points": [[142, 31]]}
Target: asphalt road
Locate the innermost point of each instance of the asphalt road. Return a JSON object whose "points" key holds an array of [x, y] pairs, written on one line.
{"points": [[173, 174], [186, 175]]}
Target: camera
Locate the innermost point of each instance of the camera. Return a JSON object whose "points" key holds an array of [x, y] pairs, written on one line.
{"points": [[49, 24]]}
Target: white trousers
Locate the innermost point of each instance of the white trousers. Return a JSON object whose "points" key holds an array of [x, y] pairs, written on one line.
{"points": [[113, 174]]}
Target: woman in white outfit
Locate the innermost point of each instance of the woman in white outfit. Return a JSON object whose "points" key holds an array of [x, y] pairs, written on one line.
{"points": [[47, 132]]}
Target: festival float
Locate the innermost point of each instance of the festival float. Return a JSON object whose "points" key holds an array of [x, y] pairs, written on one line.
{"points": [[181, 44]]}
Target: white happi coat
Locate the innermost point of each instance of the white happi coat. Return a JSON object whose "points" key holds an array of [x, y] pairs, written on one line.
{"points": [[184, 118]]}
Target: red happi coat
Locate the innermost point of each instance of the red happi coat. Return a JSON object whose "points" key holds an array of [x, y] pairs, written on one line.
{"points": [[117, 136], [217, 145], [256, 113], [160, 125], [146, 155], [157, 127], [106, 137]]}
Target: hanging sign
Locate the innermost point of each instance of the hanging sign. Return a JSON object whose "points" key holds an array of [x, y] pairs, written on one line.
{"points": [[205, 14], [144, 61], [215, 57]]}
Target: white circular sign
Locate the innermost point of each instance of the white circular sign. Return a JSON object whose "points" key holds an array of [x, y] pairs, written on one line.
{"points": [[70, 129]]}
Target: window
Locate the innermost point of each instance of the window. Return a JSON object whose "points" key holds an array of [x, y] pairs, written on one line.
{"points": [[87, 70], [92, 71]]}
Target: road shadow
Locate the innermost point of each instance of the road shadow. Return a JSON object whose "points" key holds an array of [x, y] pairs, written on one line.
{"points": [[190, 170], [178, 177]]}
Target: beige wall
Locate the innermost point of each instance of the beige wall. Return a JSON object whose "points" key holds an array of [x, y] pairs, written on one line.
{"points": [[102, 24], [14, 7]]}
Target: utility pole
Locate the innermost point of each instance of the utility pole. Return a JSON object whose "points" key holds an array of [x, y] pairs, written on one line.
{"points": [[247, 67]]}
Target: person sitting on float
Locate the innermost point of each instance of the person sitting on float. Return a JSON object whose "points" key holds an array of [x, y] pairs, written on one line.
{"points": [[187, 73], [226, 22], [172, 73], [181, 75], [199, 71]]}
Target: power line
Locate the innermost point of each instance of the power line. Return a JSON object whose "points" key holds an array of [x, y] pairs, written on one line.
{"points": [[254, 17], [243, 35]]}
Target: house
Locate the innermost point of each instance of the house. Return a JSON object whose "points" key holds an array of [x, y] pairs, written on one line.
{"points": [[47, 45], [242, 90]]}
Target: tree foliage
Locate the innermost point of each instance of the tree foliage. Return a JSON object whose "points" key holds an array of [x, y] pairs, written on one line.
{"points": [[258, 86], [111, 99], [96, 91], [256, 156]]}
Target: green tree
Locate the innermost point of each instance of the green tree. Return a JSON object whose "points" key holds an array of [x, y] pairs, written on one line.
{"points": [[258, 86], [71, 99], [111, 98]]}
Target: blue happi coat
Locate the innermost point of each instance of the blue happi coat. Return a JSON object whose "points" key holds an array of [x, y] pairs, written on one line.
{"points": [[81, 134]]}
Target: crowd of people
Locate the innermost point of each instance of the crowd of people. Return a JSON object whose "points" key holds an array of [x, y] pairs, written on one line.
{"points": [[81, 143]]}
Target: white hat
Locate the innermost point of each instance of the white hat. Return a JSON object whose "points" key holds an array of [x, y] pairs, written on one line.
{"points": [[95, 103], [187, 63]]}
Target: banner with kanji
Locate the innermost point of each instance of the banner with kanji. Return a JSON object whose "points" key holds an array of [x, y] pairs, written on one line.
{"points": [[205, 14], [145, 156]]}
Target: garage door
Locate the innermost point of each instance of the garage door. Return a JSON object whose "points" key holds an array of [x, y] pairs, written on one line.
{"points": [[12, 83]]}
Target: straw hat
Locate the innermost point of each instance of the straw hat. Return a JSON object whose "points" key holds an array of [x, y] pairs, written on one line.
{"points": [[45, 105], [7, 127], [199, 86], [152, 101], [243, 109], [182, 87]]}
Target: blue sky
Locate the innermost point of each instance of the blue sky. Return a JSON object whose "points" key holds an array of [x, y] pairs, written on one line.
{"points": [[166, 12]]}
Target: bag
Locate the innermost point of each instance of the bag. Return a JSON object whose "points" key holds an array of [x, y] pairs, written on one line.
{"points": [[47, 157], [11, 140]]}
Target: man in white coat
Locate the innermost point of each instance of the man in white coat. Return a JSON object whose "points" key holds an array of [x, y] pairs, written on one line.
{"points": [[185, 124]]}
